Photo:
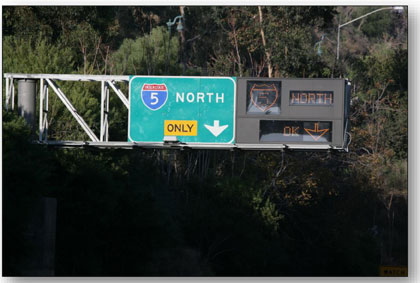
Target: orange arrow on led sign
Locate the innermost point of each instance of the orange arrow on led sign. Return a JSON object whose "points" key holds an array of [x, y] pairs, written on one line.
{"points": [[316, 133]]}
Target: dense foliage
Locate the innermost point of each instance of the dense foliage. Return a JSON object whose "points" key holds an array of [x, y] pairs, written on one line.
{"points": [[151, 212]]}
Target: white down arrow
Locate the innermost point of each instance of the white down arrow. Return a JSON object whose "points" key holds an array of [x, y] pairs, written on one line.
{"points": [[216, 129]]}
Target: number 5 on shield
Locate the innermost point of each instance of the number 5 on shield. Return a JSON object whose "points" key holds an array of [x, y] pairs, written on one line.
{"points": [[153, 95]]}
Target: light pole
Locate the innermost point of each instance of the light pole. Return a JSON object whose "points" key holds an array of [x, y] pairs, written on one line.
{"points": [[398, 8], [179, 28]]}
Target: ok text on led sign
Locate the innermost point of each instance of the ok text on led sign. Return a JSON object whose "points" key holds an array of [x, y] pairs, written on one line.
{"points": [[295, 131], [306, 97]]}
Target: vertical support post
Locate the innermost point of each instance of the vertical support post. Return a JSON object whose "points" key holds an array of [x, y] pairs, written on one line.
{"points": [[12, 89], [338, 43], [101, 135], [107, 112], [7, 94], [49, 235], [169, 48], [41, 109], [39, 238], [27, 100], [104, 111], [46, 113]]}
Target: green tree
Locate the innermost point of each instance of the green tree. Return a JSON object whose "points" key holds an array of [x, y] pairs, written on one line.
{"points": [[288, 39], [147, 55], [39, 56], [36, 56]]}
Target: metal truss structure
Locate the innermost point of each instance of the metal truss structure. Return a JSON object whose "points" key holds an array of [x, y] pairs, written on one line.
{"points": [[50, 80], [108, 82]]}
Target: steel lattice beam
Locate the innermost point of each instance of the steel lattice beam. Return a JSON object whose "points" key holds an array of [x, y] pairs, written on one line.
{"points": [[72, 110]]}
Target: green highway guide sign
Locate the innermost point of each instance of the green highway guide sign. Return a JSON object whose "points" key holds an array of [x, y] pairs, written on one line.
{"points": [[192, 109]]}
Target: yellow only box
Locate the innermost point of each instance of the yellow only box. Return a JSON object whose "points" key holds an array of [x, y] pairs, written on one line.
{"points": [[393, 271], [180, 128]]}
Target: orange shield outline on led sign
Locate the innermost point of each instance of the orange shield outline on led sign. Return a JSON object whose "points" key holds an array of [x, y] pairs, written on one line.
{"points": [[263, 87]]}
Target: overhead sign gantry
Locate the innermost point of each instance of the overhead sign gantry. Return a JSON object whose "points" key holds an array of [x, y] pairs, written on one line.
{"points": [[211, 112]]}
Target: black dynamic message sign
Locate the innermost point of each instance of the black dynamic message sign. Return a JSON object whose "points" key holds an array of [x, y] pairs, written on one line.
{"points": [[295, 131], [306, 97], [263, 97]]}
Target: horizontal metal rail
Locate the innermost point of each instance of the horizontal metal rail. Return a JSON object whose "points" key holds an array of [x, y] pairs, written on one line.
{"points": [[182, 146], [69, 77]]}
